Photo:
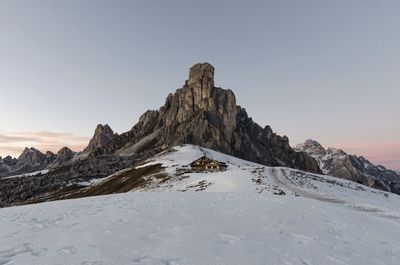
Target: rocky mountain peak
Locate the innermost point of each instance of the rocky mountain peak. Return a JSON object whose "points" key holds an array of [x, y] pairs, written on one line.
{"points": [[31, 157], [201, 79], [65, 153], [49, 157], [102, 135], [311, 146], [49, 153], [198, 95], [8, 160], [201, 114]]}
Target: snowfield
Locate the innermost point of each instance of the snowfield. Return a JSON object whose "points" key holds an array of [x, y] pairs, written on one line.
{"points": [[196, 228], [249, 214]]}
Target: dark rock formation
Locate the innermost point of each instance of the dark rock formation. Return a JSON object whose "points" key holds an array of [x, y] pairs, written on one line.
{"points": [[49, 157], [10, 161], [65, 154], [31, 157], [102, 135], [337, 163], [29, 161], [389, 178], [200, 113]]}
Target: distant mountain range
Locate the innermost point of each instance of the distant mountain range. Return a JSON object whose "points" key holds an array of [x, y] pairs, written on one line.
{"points": [[335, 162], [32, 160], [199, 113]]}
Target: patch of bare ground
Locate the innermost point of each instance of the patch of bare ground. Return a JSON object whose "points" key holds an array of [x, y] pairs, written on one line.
{"points": [[127, 180]]}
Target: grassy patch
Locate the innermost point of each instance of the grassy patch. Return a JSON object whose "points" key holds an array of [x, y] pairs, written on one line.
{"points": [[119, 183]]}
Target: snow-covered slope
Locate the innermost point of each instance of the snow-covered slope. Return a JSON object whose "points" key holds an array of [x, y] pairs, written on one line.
{"points": [[196, 228], [248, 214], [160, 174]]}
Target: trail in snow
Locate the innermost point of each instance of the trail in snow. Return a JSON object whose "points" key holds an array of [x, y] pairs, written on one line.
{"points": [[280, 178]]}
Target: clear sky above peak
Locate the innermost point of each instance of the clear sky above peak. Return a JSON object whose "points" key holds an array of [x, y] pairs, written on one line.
{"points": [[326, 70]]}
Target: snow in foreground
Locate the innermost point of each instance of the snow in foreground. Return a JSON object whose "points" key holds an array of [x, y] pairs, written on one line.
{"points": [[248, 214], [196, 228]]}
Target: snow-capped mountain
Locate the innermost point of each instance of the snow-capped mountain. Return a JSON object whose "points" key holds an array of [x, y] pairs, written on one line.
{"points": [[246, 214], [335, 162]]}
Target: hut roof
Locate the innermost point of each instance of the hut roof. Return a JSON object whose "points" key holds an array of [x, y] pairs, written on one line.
{"points": [[208, 160]]}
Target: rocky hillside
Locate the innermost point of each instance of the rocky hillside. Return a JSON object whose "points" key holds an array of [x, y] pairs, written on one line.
{"points": [[337, 163], [201, 113]]}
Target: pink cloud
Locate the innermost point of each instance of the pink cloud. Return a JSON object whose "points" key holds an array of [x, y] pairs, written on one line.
{"points": [[14, 143]]}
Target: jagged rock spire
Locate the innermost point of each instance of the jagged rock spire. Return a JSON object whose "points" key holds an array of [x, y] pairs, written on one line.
{"points": [[31, 157], [201, 79], [102, 135], [200, 113]]}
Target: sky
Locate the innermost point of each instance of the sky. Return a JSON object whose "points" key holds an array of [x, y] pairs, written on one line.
{"points": [[325, 70]]}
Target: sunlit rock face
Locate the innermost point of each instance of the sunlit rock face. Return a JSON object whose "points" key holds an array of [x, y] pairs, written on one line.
{"points": [[200, 113], [102, 135]]}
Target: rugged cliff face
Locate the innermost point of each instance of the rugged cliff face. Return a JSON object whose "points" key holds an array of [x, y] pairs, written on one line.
{"points": [[102, 135], [200, 113], [337, 163]]}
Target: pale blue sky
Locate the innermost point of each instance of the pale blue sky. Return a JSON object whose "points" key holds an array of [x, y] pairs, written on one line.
{"points": [[326, 70]]}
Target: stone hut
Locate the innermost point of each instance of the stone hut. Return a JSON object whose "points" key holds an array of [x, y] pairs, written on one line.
{"points": [[207, 164]]}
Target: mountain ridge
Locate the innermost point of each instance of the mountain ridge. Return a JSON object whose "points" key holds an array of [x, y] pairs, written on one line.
{"points": [[199, 113], [337, 163]]}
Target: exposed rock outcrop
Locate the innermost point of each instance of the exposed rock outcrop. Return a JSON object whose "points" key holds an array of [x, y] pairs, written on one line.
{"points": [[65, 154], [337, 163], [102, 135], [6, 165], [10, 161], [31, 157], [29, 161], [49, 157], [200, 113]]}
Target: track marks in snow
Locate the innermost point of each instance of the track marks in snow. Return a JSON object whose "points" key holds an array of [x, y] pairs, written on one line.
{"points": [[280, 178], [147, 259], [8, 255]]}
